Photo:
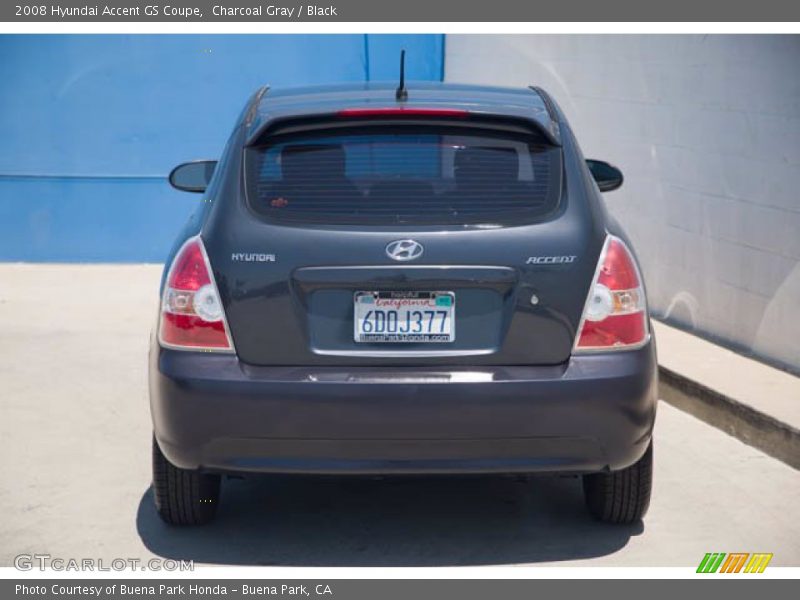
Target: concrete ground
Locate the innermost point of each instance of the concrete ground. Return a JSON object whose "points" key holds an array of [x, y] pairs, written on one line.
{"points": [[74, 462]]}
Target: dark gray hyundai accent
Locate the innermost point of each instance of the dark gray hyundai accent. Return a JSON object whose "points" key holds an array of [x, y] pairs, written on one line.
{"points": [[421, 280]]}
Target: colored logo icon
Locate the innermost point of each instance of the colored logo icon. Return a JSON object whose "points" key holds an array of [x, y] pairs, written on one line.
{"points": [[735, 562]]}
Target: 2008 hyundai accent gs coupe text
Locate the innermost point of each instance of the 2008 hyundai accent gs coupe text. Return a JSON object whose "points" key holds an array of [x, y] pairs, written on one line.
{"points": [[420, 280]]}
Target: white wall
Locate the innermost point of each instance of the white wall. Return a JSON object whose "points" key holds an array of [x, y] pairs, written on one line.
{"points": [[707, 132]]}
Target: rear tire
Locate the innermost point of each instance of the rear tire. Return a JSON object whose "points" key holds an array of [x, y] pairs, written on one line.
{"points": [[621, 496], [183, 497]]}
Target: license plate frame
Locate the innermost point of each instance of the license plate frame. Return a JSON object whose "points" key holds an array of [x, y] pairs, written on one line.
{"points": [[413, 322]]}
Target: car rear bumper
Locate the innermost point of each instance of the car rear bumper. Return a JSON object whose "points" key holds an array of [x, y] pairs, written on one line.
{"points": [[594, 413]]}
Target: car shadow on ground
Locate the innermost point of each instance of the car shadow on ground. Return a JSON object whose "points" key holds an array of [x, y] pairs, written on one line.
{"points": [[399, 521]]}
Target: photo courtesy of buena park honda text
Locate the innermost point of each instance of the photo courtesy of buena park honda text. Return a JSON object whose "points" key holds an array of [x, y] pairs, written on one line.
{"points": [[399, 300]]}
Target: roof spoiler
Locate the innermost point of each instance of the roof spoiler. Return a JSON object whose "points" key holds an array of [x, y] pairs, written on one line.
{"points": [[252, 106], [552, 112], [550, 131], [547, 126]]}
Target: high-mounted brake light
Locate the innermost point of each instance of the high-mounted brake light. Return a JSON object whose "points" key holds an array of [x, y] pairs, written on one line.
{"points": [[447, 113], [192, 317], [615, 316]]}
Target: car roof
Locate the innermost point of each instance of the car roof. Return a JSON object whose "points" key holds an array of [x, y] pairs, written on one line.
{"points": [[524, 103]]}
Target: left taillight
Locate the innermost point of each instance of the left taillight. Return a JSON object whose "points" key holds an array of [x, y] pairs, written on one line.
{"points": [[192, 317], [615, 315]]}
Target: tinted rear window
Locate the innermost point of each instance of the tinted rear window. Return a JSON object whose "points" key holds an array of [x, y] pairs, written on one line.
{"points": [[422, 176]]}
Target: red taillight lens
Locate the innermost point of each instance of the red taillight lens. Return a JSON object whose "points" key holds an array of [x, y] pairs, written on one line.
{"points": [[189, 271], [615, 316], [192, 317]]}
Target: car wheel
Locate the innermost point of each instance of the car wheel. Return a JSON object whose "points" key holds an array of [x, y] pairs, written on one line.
{"points": [[621, 496], [183, 497]]}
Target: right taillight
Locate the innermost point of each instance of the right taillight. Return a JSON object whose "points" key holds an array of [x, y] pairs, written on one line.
{"points": [[615, 315]]}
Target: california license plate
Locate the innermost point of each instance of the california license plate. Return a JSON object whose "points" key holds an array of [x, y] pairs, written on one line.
{"points": [[425, 317]]}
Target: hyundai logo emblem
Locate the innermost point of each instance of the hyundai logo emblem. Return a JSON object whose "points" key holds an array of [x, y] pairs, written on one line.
{"points": [[404, 250]]}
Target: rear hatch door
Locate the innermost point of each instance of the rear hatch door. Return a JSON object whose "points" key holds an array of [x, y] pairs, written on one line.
{"points": [[337, 228]]}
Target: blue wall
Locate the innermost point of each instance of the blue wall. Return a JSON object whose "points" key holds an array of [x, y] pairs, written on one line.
{"points": [[90, 126]]}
